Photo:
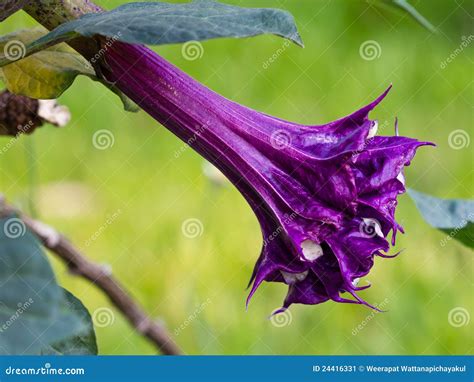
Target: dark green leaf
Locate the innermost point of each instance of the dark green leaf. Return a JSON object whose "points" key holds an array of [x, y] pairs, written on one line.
{"points": [[32, 313], [9, 7], [83, 343], [159, 23], [454, 217]]}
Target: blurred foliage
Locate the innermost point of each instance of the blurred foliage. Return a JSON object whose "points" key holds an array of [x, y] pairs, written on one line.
{"points": [[150, 183], [405, 6]]}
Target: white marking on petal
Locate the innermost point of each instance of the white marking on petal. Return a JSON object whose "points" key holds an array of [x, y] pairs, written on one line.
{"points": [[401, 177], [54, 113], [373, 129], [311, 250], [355, 281], [292, 278]]}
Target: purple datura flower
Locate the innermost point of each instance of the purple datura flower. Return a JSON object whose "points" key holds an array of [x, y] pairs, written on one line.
{"points": [[325, 195]]}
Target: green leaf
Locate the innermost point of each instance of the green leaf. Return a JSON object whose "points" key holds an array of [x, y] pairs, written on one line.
{"points": [[454, 217], [45, 75], [160, 23], [128, 104], [32, 314], [48, 73], [83, 343], [9, 7], [405, 6]]}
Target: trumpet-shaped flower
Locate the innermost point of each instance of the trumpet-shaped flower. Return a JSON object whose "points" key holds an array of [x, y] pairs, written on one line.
{"points": [[324, 195]]}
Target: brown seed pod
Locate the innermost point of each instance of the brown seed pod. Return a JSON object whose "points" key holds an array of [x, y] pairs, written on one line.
{"points": [[22, 115], [18, 114]]}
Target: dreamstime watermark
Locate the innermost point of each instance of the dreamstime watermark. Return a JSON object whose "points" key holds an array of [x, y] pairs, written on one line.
{"points": [[378, 128], [281, 319], [14, 50], [458, 317], [108, 222], [189, 142], [103, 139], [22, 308], [21, 130], [370, 227], [444, 241], [465, 42], [192, 50], [286, 220], [280, 139], [192, 228], [384, 125], [14, 228], [276, 55], [370, 50], [47, 369], [105, 47], [459, 139], [192, 317], [361, 326], [103, 317], [363, 148]]}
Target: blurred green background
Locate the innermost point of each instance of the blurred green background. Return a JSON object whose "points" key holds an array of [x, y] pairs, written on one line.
{"points": [[196, 286]]}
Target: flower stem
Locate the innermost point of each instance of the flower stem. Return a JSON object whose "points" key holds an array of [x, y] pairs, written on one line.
{"points": [[52, 13]]}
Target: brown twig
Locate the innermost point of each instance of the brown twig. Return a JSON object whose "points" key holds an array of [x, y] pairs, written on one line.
{"points": [[100, 277]]}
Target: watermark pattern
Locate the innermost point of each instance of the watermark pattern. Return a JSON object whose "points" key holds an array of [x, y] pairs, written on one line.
{"points": [[276, 55], [189, 142], [103, 317], [280, 139], [370, 50], [192, 50], [45, 370], [363, 148], [378, 127], [192, 228], [108, 222], [459, 139], [281, 319], [105, 47], [370, 227], [458, 317], [22, 308], [103, 139], [14, 50], [443, 242], [286, 220], [465, 42], [361, 326], [192, 317], [11, 142], [14, 228]]}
